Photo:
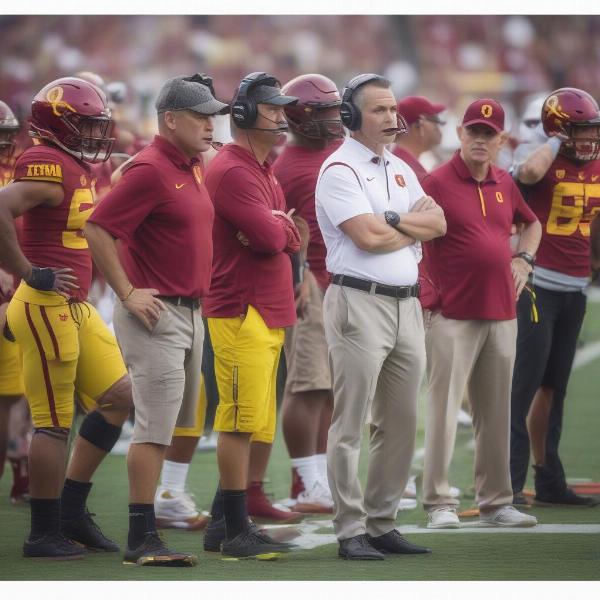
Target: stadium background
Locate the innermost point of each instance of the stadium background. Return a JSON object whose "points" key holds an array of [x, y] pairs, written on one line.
{"points": [[451, 59]]}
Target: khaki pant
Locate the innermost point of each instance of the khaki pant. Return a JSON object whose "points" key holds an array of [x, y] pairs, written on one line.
{"points": [[165, 369], [377, 358], [475, 357]]}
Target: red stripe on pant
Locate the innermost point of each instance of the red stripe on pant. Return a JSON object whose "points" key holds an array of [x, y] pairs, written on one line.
{"points": [[50, 331], [38, 342]]}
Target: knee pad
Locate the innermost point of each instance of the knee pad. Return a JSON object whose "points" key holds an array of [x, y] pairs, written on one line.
{"points": [[99, 432], [58, 433]]}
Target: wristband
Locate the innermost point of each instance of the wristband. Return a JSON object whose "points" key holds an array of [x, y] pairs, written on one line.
{"points": [[555, 144], [41, 278]]}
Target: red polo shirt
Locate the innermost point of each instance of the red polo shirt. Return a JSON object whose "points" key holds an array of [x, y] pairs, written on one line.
{"points": [[297, 170], [411, 161], [244, 194], [161, 210], [470, 265]]}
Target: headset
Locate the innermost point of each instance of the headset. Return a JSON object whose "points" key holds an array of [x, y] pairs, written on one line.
{"points": [[349, 112], [244, 110]]}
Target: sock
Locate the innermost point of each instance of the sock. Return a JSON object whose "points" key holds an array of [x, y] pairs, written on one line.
{"points": [[174, 476], [307, 470], [74, 497], [45, 516], [141, 521], [236, 515], [216, 511], [322, 466]]}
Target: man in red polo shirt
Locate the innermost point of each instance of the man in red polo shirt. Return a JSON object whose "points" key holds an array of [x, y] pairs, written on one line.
{"points": [[424, 132], [316, 131], [471, 329], [250, 303], [161, 212]]}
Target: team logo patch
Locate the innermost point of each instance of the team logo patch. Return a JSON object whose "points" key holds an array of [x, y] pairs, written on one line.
{"points": [[581, 176], [594, 177], [486, 111], [63, 317], [400, 180], [44, 171], [560, 174], [499, 197], [54, 97], [552, 107]]}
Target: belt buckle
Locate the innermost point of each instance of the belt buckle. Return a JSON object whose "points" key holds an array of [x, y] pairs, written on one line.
{"points": [[178, 301], [373, 289]]}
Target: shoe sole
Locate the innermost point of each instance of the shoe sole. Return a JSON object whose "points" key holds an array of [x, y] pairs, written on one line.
{"points": [[518, 525], [315, 509], [344, 557], [212, 547], [264, 556], [74, 557], [565, 504], [197, 525], [445, 526], [163, 561]]}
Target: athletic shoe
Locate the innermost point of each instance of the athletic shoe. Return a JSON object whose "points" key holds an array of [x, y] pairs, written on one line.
{"points": [[317, 500], [454, 492], [153, 552], [54, 546], [19, 492], [215, 534], [208, 443], [85, 531], [566, 498], [411, 488], [122, 446], [254, 543], [464, 419], [261, 509], [297, 484], [442, 518], [178, 511], [507, 516]]}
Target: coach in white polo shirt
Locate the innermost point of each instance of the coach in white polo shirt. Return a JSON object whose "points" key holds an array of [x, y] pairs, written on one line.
{"points": [[372, 212]]}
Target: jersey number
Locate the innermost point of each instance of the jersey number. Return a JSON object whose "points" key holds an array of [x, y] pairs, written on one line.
{"points": [[81, 208], [565, 219]]}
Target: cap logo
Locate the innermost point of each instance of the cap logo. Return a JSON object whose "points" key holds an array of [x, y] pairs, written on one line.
{"points": [[54, 97], [486, 111]]}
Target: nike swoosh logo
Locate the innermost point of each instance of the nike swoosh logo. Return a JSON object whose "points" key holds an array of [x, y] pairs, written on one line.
{"points": [[370, 178], [178, 186]]}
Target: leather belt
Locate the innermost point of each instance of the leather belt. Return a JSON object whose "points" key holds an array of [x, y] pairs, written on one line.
{"points": [[192, 303], [402, 292]]}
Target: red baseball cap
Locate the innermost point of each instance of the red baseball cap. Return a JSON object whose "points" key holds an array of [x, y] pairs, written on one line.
{"points": [[412, 107], [485, 112]]}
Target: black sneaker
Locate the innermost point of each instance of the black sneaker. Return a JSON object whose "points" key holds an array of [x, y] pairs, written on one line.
{"points": [[53, 546], [84, 530], [215, 534], [565, 498], [152, 552], [252, 543]]}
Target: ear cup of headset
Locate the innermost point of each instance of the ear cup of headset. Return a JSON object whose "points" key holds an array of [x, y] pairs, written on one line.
{"points": [[244, 110], [350, 115]]}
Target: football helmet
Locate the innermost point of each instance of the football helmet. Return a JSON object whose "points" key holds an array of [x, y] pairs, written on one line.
{"points": [[315, 93], [74, 115], [9, 127], [573, 116]]}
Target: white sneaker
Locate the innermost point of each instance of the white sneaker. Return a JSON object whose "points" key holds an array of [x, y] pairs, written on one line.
{"points": [[464, 419], [454, 492], [316, 500], [407, 504], [122, 446], [411, 488], [443, 518], [178, 511], [507, 516]]}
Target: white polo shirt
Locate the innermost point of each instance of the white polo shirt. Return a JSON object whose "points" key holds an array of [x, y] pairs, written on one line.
{"points": [[354, 181]]}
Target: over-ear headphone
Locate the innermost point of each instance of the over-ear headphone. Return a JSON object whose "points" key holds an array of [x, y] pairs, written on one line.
{"points": [[349, 112], [244, 110]]}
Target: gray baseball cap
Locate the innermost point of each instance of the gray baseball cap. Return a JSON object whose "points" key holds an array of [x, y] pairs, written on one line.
{"points": [[179, 93], [266, 94]]}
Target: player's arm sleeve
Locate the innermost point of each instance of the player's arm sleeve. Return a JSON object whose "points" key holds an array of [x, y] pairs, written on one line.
{"points": [[521, 211], [39, 166], [132, 199], [239, 200], [340, 194]]}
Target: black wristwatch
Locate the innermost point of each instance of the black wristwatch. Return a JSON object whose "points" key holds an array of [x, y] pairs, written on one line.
{"points": [[528, 258], [392, 218]]}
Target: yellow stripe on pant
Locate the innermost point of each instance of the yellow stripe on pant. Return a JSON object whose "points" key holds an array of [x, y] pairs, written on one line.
{"points": [[246, 360]]}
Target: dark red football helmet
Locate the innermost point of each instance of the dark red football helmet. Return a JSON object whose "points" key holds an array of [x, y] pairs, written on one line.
{"points": [[315, 93], [74, 115], [573, 116], [9, 127]]}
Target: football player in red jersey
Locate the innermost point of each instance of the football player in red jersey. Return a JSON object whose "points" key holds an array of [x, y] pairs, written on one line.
{"points": [[316, 131], [62, 337], [11, 378], [561, 183]]}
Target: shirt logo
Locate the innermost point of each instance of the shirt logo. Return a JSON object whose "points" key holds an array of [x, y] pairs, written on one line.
{"points": [[594, 177], [499, 197], [560, 173], [370, 178], [197, 171], [63, 317], [400, 180], [486, 111], [178, 186], [581, 175]]}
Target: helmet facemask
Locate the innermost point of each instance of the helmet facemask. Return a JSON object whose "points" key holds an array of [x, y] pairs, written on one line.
{"points": [[7, 143], [91, 140], [316, 128], [583, 146]]}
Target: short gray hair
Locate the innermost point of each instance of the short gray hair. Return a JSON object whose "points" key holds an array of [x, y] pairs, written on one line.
{"points": [[358, 96]]}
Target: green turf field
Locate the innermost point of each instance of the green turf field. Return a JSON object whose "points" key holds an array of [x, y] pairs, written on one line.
{"points": [[488, 555]]}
